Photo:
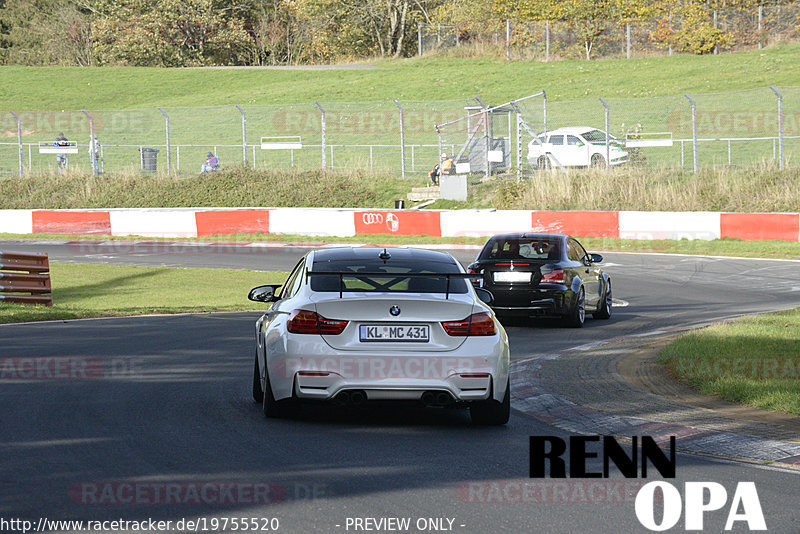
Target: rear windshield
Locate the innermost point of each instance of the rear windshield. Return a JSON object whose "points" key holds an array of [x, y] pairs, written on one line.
{"points": [[394, 279], [522, 248]]}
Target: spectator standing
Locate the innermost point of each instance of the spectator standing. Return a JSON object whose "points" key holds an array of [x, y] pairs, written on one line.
{"points": [[61, 158]]}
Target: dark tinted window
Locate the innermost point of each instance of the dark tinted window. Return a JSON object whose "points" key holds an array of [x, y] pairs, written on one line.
{"points": [[557, 139], [288, 290], [522, 248], [572, 140], [575, 252], [393, 280]]}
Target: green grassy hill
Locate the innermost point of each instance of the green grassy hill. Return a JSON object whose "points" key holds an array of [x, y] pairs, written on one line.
{"points": [[495, 80]]}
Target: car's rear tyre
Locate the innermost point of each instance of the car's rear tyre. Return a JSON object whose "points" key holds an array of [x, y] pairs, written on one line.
{"points": [[543, 163], [258, 393], [604, 308], [271, 407], [491, 412], [598, 161], [577, 315]]}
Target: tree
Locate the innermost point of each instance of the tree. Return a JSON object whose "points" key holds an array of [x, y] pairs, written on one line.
{"points": [[169, 33], [45, 32]]}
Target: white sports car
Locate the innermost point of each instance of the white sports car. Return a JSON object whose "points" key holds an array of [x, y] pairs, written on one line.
{"points": [[575, 146], [353, 325]]}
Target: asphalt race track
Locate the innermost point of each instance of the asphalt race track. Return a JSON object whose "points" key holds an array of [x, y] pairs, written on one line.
{"points": [[152, 417]]}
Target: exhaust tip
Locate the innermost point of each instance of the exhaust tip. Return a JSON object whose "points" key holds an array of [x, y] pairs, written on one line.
{"points": [[443, 398], [358, 397], [428, 398], [343, 398]]}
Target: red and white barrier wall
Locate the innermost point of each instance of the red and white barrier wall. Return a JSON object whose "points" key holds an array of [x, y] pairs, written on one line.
{"points": [[193, 222]]}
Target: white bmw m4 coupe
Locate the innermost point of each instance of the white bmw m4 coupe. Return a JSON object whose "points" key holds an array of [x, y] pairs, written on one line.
{"points": [[357, 325]]}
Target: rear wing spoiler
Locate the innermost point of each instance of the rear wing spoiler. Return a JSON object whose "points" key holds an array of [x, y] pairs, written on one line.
{"points": [[399, 276]]}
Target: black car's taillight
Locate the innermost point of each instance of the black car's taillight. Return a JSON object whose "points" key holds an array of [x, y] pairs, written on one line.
{"points": [[556, 276]]}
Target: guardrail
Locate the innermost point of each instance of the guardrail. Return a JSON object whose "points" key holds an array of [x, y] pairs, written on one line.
{"points": [[25, 278]]}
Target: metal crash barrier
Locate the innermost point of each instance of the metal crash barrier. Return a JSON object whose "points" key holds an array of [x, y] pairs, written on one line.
{"points": [[25, 278]]}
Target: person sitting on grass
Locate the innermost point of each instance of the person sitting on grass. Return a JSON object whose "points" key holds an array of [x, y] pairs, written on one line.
{"points": [[211, 164]]}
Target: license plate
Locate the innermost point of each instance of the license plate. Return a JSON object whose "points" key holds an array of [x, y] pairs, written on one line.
{"points": [[419, 333], [512, 276]]}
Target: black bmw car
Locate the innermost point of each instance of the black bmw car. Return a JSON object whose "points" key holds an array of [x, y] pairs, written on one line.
{"points": [[549, 275]]}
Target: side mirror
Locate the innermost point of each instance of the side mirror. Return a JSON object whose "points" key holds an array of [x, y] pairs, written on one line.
{"points": [[264, 293], [484, 295], [596, 258]]}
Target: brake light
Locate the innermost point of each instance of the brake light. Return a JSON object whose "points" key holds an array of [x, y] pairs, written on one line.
{"points": [[309, 322], [478, 279], [477, 324], [555, 277]]}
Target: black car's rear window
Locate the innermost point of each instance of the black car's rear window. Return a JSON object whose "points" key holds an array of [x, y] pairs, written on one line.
{"points": [[393, 281], [522, 248]]}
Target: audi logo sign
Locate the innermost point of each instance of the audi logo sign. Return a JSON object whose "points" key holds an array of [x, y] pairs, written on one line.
{"points": [[390, 219]]}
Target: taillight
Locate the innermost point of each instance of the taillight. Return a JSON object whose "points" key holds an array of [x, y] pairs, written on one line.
{"points": [[555, 277], [309, 322], [477, 324], [477, 280]]}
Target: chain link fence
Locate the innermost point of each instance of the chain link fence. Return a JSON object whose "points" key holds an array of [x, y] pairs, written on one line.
{"points": [[740, 128], [753, 26]]}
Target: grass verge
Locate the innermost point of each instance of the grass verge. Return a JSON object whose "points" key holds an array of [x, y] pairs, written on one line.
{"points": [[81, 291], [717, 247], [232, 187], [753, 361], [762, 188]]}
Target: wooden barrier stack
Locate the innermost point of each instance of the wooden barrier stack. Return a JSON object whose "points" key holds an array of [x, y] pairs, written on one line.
{"points": [[25, 278]]}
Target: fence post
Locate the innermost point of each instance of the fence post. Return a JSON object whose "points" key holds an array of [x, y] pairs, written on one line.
{"points": [[19, 143], [322, 122], [608, 149], [694, 130], [544, 99], [780, 125], [402, 139], [169, 148], [244, 134], [95, 167], [419, 40], [519, 140]]}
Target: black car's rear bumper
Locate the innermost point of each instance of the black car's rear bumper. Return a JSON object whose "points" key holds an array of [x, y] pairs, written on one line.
{"points": [[531, 302]]}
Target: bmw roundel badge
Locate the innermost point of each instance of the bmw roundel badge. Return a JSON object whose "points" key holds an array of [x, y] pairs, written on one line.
{"points": [[394, 310]]}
